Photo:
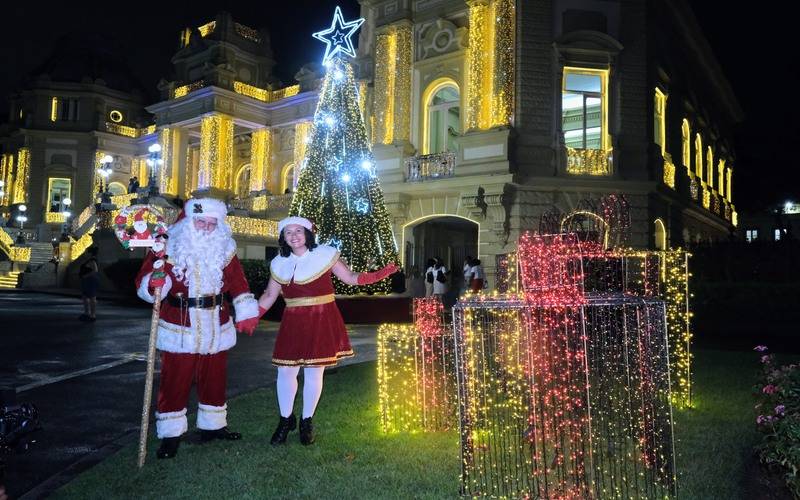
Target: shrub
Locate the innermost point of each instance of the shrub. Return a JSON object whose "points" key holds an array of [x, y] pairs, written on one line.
{"points": [[778, 408], [122, 274], [257, 274]]}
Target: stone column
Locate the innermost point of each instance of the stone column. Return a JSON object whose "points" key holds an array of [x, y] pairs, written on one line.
{"points": [[174, 141], [260, 159], [216, 155]]}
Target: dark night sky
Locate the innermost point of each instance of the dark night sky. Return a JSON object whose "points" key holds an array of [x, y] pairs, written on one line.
{"points": [[751, 45]]}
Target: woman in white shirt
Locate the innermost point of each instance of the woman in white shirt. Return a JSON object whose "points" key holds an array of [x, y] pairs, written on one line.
{"points": [[430, 277], [477, 276], [439, 278]]}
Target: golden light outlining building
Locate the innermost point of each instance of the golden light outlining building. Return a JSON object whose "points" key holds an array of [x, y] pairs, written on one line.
{"points": [[483, 114]]}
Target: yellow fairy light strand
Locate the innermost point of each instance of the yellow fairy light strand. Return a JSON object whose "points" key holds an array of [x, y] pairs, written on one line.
{"points": [[260, 157]]}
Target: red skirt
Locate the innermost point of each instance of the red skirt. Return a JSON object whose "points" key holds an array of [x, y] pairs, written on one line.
{"points": [[311, 336]]}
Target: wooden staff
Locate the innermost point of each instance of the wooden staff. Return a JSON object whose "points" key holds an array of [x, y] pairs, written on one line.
{"points": [[148, 379]]}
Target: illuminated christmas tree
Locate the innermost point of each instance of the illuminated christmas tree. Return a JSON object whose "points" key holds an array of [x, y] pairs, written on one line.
{"points": [[338, 188]]}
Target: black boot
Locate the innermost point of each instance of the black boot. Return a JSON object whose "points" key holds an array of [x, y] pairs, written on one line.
{"points": [[285, 426], [306, 431], [169, 447], [224, 433]]}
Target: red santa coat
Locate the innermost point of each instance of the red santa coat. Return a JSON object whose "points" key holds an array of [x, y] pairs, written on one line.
{"points": [[196, 330]]}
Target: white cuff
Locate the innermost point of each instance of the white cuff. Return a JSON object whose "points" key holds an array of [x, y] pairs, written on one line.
{"points": [[246, 306], [211, 418], [144, 289], [171, 424]]}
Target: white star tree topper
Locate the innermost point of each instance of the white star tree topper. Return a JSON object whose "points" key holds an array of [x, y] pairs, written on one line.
{"points": [[337, 38]]}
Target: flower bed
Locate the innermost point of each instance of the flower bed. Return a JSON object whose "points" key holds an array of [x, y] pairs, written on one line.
{"points": [[778, 420]]}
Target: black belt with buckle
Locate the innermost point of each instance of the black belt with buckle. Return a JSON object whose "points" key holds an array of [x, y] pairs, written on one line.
{"points": [[202, 302]]}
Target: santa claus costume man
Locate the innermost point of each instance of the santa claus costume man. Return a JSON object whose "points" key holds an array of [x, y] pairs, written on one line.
{"points": [[312, 334], [196, 328]]}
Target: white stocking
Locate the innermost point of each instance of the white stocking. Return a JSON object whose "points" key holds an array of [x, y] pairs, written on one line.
{"points": [[312, 389], [287, 388]]}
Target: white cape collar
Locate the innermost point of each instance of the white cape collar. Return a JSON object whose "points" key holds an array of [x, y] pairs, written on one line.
{"points": [[304, 269]]}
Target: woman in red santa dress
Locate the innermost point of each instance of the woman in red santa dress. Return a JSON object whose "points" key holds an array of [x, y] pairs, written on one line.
{"points": [[312, 334], [196, 326]]}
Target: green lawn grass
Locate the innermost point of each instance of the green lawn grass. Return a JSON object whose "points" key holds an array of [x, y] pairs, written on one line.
{"points": [[353, 459]]}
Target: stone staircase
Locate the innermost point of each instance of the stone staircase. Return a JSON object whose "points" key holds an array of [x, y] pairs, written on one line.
{"points": [[40, 253], [9, 279]]}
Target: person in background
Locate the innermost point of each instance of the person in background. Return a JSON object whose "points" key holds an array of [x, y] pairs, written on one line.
{"points": [[429, 276], [467, 272], [477, 276], [90, 281], [440, 278]]}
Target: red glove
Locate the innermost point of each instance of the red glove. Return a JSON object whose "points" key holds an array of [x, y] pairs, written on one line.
{"points": [[247, 326], [369, 278], [158, 277]]}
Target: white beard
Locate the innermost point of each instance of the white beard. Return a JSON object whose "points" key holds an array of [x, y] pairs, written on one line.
{"points": [[197, 254]]}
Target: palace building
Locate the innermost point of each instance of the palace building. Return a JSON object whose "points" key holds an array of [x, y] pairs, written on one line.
{"points": [[485, 115]]}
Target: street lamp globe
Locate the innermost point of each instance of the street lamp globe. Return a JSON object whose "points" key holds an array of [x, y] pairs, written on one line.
{"points": [[23, 208], [154, 148]]}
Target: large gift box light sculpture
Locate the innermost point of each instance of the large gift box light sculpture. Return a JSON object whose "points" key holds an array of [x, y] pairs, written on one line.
{"points": [[564, 390], [416, 371]]}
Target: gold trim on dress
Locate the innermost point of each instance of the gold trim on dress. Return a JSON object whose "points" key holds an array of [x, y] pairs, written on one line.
{"points": [[314, 362], [310, 301], [324, 270]]}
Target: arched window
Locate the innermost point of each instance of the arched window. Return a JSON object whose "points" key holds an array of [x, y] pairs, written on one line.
{"points": [[710, 166], [698, 156], [660, 235], [288, 178], [242, 185], [686, 143], [442, 117], [721, 177], [117, 188], [659, 120]]}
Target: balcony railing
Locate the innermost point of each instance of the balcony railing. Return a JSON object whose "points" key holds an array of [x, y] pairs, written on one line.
{"points": [[669, 171], [588, 161], [264, 203], [430, 167]]}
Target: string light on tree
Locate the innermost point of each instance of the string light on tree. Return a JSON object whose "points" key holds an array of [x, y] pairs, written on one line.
{"points": [[337, 187]]}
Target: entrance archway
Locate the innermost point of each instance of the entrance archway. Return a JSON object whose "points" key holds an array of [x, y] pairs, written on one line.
{"points": [[448, 237]]}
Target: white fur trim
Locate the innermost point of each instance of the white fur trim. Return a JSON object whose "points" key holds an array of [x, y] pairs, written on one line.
{"points": [[211, 418], [171, 424], [204, 335], [300, 221], [144, 293], [305, 268], [246, 306], [209, 206]]}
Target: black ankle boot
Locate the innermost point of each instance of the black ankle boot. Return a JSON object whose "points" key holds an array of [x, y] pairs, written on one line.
{"points": [[223, 433], [285, 425], [306, 431], [169, 447]]}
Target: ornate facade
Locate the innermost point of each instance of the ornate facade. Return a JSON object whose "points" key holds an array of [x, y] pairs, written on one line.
{"points": [[484, 115]]}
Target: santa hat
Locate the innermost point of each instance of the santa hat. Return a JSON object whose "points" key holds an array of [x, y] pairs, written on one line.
{"points": [[300, 221], [204, 207], [138, 216]]}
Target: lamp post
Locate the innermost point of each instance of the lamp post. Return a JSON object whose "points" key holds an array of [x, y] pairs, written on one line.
{"points": [[105, 171], [22, 218], [67, 215], [154, 161]]}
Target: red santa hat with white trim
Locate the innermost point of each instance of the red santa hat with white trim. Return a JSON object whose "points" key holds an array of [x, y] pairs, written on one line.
{"points": [[300, 221], [204, 207]]}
